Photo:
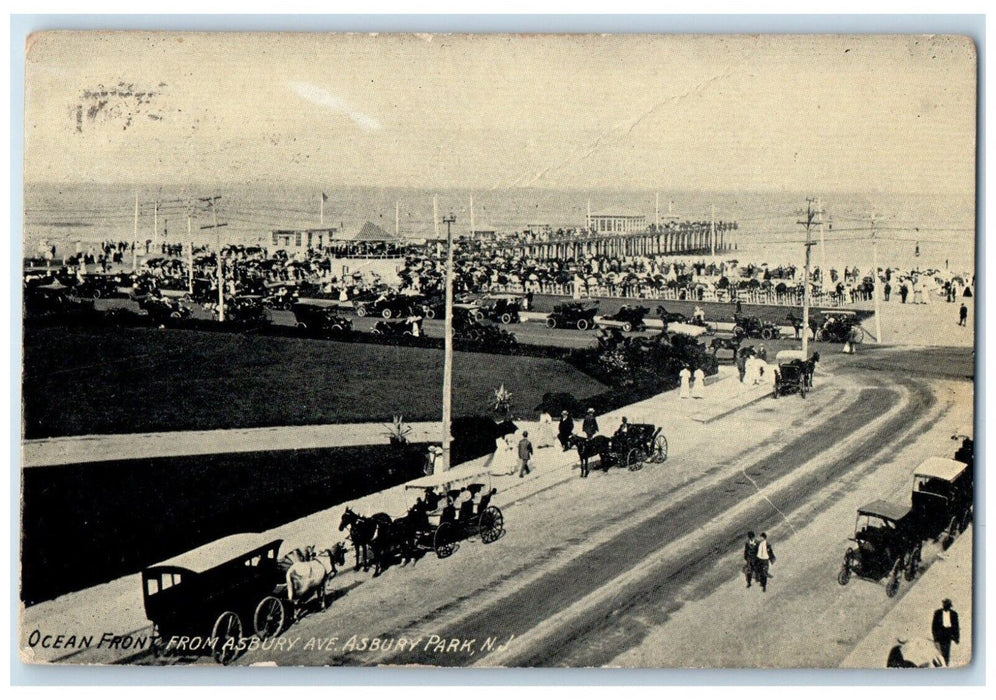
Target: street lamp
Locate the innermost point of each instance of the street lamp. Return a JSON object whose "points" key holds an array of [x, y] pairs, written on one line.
{"points": [[448, 345]]}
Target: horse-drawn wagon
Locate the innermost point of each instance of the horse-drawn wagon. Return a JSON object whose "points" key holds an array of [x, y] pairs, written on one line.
{"points": [[632, 446], [887, 546], [210, 593], [208, 600], [840, 327], [754, 327]]}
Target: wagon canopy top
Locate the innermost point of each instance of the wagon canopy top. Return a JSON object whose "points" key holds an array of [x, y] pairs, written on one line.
{"points": [[461, 476], [215, 554], [885, 509], [940, 468]]}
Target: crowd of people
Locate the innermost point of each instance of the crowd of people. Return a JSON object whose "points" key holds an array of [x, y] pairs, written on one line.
{"points": [[482, 266]]}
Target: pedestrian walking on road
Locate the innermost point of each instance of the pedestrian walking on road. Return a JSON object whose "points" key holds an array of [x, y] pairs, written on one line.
{"points": [[963, 315], [590, 425], [765, 558], [698, 387], [945, 629], [565, 429], [750, 557], [685, 376], [525, 452]]}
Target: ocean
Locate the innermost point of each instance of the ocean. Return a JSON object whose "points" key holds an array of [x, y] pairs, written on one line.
{"points": [[914, 231]]}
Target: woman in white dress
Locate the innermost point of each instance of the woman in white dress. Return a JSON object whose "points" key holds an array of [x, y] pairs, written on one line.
{"points": [[698, 388], [685, 375], [502, 461]]}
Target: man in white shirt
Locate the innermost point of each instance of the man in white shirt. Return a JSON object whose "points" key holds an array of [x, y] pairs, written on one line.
{"points": [[946, 629], [765, 557]]}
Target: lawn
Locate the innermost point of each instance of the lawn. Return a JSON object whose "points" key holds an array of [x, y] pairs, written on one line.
{"points": [[80, 381]]}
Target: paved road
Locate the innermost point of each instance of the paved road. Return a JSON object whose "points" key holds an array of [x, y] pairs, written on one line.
{"points": [[589, 571]]}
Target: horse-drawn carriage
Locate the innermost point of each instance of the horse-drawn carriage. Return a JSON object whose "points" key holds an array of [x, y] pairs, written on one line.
{"points": [[443, 510], [579, 314], [211, 593], [840, 327], [632, 446], [222, 592], [942, 499], [456, 506], [321, 318], [627, 318], [754, 327], [887, 546]]}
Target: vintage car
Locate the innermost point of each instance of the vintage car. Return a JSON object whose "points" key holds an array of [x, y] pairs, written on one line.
{"points": [[577, 314], [504, 308], [942, 499], [887, 546]]}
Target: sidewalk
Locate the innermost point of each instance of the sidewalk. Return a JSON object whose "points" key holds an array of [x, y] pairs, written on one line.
{"points": [[949, 577], [105, 448], [116, 608]]}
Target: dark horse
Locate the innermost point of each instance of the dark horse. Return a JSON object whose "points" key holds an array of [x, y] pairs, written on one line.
{"points": [[588, 448], [398, 538], [362, 531]]}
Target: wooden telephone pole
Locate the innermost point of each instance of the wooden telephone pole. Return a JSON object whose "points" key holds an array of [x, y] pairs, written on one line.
{"points": [[448, 345], [213, 203], [808, 223]]}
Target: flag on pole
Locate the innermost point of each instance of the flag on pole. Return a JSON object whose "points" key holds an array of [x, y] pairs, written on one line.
{"points": [[325, 197]]}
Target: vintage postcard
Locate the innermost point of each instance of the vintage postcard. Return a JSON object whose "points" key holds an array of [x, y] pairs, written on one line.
{"points": [[642, 351]]}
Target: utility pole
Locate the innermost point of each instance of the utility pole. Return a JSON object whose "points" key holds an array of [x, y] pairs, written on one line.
{"points": [[588, 224], [435, 214], [878, 311], [657, 211], [397, 219], [155, 225], [823, 249], [134, 238], [212, 202], [471, 216], [448, 346], [190, 255], [808, 223]]}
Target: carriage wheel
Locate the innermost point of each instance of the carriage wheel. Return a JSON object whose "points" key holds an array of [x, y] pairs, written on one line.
{"points": [[582, 324], [227, 632], [491, 524], [767, 333], [551, 323], [634, 459], [361, 311], [892, 587], [268, 621], [386, 313], [659, 448], [444, 542], [857, 334], [627, 327], [479, 315], [430, 313], [506, 318], [739, 333], [821, 335], [844, 575]]}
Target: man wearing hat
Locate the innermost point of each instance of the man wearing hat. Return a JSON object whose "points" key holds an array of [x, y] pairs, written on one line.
{"points": [[590, 425], [945, 629], [565, 430]]}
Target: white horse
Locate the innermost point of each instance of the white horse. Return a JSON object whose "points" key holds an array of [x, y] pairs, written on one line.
{"points": [[310, 578]]}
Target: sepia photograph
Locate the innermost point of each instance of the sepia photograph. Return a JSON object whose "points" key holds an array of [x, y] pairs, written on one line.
{"points": [[642, 351]]}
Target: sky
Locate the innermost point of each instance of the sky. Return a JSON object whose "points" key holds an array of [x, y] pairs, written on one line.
{"points": [[757, 113]]}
